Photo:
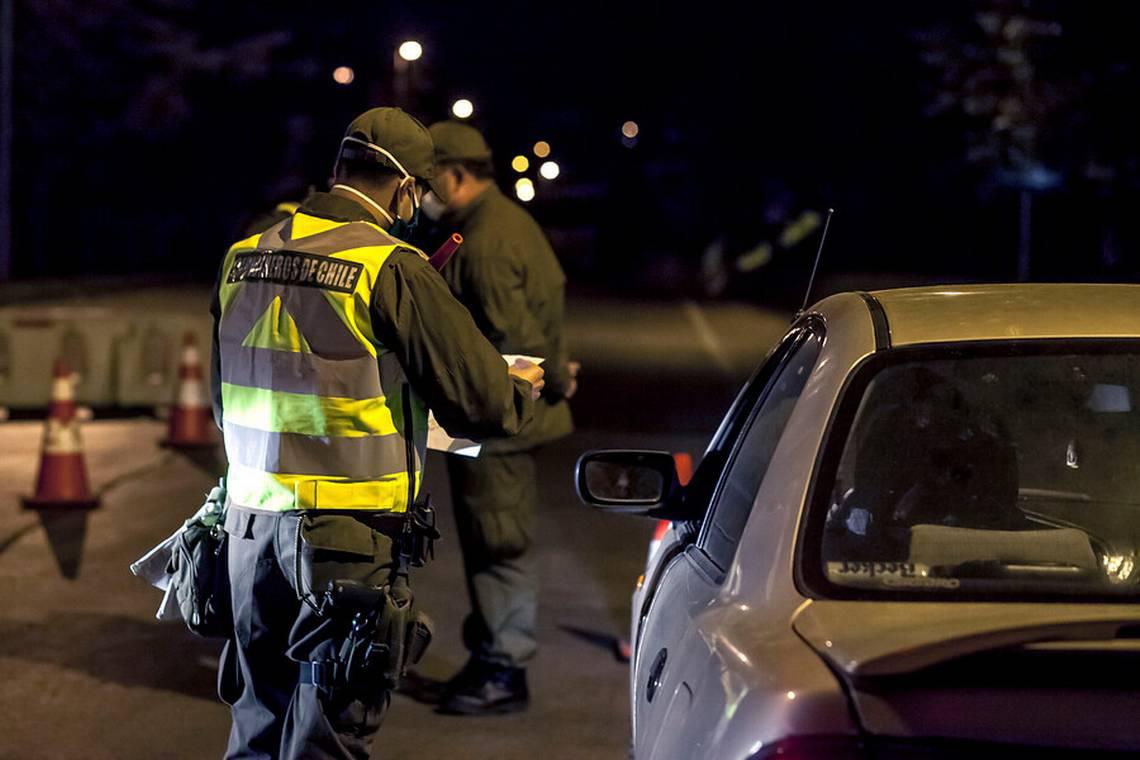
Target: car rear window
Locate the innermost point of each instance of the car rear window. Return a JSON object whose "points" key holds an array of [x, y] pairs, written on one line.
{"points": [[983, 471]]}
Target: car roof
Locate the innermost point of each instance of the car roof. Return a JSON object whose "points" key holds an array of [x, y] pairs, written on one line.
{"points": [[1009, 312]]}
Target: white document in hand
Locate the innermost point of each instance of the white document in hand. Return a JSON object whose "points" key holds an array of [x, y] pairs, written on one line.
{"points": [[439, 440]]}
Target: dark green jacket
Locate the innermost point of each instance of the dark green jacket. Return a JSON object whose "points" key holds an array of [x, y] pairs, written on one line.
{"points": [[508, 277]]}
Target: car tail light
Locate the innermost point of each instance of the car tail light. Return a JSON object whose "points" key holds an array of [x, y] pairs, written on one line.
{"points": [[812, 748]]}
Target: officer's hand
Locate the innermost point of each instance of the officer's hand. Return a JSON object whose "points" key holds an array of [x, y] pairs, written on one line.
{"points": [[572, 369], [532, 373]]}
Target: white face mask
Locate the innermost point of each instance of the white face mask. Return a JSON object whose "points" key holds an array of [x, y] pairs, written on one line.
{"points": [[366, 200], [432, 206]]}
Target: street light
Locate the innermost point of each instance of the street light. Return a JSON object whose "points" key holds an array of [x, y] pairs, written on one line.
{"points": [[520, 164], [343, 75], [524, 189], [411, 50], [542, 149], [548, 170], [462, 108], [404, 86]]}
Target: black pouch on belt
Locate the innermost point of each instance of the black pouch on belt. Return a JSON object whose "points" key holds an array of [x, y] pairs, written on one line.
{"points": [[200, 575], [420, 632], [201, 582]]}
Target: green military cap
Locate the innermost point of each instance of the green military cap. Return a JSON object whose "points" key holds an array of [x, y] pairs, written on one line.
{"points": [[393, 138], [458, 142]]}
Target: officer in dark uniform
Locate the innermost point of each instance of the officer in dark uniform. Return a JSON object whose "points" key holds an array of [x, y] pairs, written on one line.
{"points": [[508, 277], [332, 337]]}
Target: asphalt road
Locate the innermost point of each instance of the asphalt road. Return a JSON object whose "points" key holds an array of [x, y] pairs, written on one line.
{"points": [[86, 672]]}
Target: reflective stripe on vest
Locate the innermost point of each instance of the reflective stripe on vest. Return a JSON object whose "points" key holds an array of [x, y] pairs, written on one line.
{"points": [[313, 405]]}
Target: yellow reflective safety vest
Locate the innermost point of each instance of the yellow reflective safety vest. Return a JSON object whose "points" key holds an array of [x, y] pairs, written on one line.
{"points": [[316, 412]]}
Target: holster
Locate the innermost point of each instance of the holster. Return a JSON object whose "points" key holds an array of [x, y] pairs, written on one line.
{"points": [[385, 634]]}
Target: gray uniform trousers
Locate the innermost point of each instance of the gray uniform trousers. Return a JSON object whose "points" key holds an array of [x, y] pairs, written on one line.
{"points": [[274, 715], [494, 498]]}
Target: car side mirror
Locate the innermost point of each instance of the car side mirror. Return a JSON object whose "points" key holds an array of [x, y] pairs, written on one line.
{"points": [[630, 482]]}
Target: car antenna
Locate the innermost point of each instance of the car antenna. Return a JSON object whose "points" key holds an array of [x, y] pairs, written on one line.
{"points": [[815, 266]]}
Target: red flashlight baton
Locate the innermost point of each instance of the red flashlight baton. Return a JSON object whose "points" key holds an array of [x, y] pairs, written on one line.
{"points": [[446, 251]]}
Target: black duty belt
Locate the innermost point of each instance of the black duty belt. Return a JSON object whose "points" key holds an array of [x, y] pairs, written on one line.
{"points": [[320, 674]]}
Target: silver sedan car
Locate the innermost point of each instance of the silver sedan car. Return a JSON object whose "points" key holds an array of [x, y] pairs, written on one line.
{"points": [[915, 534]]}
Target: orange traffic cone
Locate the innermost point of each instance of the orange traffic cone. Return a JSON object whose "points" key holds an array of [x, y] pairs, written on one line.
{"points": [[683, 460], [191, 425], [62, 479]]}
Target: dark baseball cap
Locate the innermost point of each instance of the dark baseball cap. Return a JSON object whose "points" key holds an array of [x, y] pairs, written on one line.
{"points": [[391, 137], [458, 142]]}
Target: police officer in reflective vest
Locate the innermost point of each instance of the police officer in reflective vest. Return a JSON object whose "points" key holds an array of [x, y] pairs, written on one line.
{"points": [[332, 339]]}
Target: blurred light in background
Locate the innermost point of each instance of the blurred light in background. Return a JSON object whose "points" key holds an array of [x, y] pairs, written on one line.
{"points": [[549, 170], [411, 50], [629, 129], [542, 149], [343, 75], [462, 108], [524, 189], [520, 164]]}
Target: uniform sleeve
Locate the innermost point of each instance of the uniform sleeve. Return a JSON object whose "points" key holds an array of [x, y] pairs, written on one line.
{"points": [[448, 362], [557, 373], [495, 284]]}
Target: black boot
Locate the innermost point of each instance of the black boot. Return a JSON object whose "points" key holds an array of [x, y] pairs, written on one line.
{"points": [[431, 691], [486, 689]]}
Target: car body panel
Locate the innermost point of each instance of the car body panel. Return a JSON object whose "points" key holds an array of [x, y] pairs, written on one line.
{"points": [[742, 700], [660, 654], [870, 638], [1003, 713]]}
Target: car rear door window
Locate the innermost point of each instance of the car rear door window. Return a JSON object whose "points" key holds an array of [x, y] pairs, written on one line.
{"points": [[715, 458], [753, 450]]}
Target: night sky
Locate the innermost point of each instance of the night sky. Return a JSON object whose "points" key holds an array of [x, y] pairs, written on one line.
{"points": [[148, 133]]}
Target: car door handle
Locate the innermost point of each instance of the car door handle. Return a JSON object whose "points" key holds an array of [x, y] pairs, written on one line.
{"points": [[655, 673]]}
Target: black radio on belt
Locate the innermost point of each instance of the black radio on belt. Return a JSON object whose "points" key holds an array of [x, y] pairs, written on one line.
{"points": [[416, 544]]}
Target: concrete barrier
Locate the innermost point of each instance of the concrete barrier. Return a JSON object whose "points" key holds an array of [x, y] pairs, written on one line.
{"points": [[146, 367], [34, 338], [120, 358]]}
